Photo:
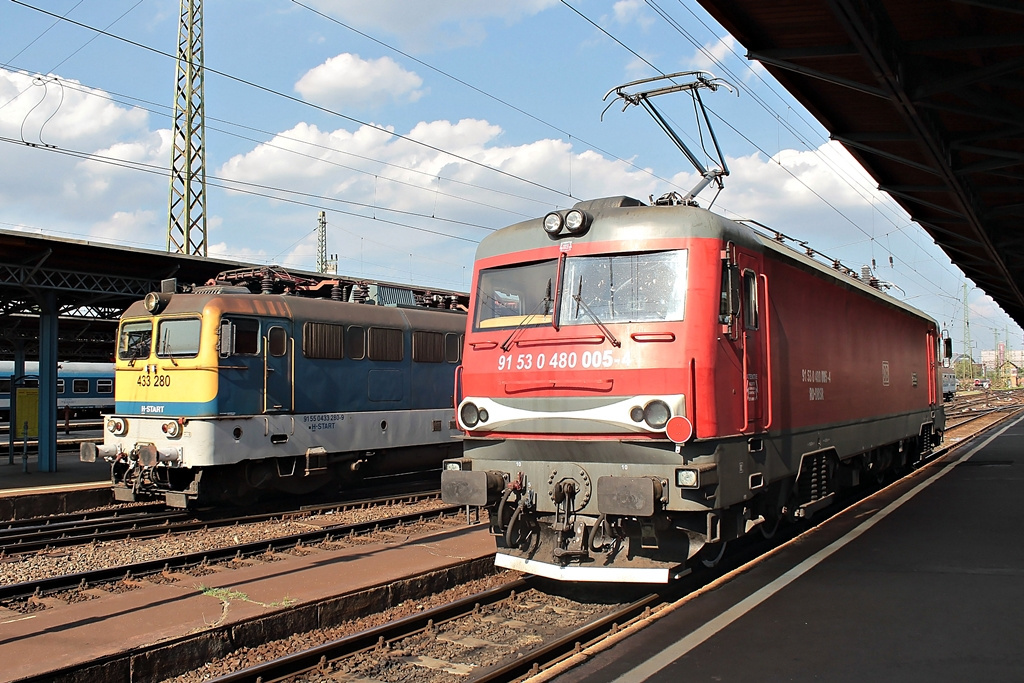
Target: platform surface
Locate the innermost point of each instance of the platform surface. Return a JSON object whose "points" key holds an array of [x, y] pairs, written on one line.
{"points": [[923, 582], [89, 631], [70, 471]]}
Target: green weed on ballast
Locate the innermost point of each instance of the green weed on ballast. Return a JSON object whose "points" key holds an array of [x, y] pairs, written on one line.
{"points": [[228, 595]]}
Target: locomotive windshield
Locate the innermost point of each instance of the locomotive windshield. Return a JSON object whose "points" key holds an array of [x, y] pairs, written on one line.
{"points": [[515, 296], [178, 338], [623, 288], [617, 288], [135, 340]]}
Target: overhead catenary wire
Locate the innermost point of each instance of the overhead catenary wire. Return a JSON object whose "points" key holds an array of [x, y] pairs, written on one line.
{"points": [[300, 101], [339, 114], [75, 52], [818, 151], [837, 169], [164, 111], [839, 174], [513, 107], [233, 185]]}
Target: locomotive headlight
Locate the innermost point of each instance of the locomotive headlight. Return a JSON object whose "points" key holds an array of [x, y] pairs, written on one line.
{"points": [[576, 222], [117, 426], [171, 429], [469, 415], [636, 414], [656, 414], [156, 301], [553, 223], [687, 479], [484, 415]]}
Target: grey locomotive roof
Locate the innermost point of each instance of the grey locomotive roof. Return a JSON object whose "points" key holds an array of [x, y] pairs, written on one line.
{"points": [[300, 308], [618, 218], [624, 218]]}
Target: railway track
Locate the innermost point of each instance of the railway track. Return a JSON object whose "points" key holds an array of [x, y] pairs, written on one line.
{"points": [[92, 578], [499, 634], [147, 524], [970, 409], [10, 525], [953, 424], [455, 638], [506, 633], [411, 646]]}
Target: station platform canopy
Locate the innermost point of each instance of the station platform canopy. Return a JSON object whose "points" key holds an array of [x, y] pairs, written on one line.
{"points": [[928, 95], [91, 284]]}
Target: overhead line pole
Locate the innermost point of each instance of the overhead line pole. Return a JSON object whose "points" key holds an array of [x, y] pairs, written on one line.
{"points": [[186, 225], [321, 243]]}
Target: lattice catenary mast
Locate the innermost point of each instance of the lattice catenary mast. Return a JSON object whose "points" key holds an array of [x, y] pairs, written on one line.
{"points": [[186, 226], [967, 335], [321, 243]]}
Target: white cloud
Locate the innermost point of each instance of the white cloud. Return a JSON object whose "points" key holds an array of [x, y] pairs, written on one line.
{"points": [[236, 252], [632, 11], [712, 56], [141, 227], [347, 80], [395, 195], [50, 110], [45, 181]]}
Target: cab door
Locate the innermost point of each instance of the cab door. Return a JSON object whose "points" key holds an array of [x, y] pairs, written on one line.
{"points": [[752, 331], [278, 367]]}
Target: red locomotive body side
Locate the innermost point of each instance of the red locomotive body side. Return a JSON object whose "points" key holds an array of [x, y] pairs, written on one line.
{"points": [[660, 380], [840, 356]]}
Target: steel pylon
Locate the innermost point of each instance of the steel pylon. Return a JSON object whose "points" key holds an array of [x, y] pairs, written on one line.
{"points": [[186, 225]]}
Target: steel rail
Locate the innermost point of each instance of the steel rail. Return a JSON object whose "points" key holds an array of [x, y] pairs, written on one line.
{"points": [[32, 539], [167, 523], [52, 536], [307, 660], [26, 589], [71, 518]]}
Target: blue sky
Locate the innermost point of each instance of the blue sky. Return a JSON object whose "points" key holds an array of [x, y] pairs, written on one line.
{"points": [[419, 127]]}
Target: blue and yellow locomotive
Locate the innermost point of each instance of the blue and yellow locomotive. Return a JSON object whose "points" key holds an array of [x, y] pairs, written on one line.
{"points": [[222, 394]]}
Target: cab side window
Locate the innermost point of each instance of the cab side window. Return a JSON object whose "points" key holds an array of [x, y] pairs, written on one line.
{"points": [[277, 341], [239, 337], [750, 313]]}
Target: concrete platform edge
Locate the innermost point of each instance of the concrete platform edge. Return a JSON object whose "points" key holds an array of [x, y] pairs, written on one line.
{"points": [[151, 664], [23, 506]]}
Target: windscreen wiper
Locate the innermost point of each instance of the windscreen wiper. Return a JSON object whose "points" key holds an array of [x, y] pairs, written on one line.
{"points": [[167, 347], [597, 321], [507, 344]]}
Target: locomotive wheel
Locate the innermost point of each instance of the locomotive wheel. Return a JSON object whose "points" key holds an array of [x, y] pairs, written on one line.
{"points": [[711, 554], [769, 526]]}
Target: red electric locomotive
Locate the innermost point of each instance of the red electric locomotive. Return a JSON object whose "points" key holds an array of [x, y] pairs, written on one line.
{"points": [[642, 384]]}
